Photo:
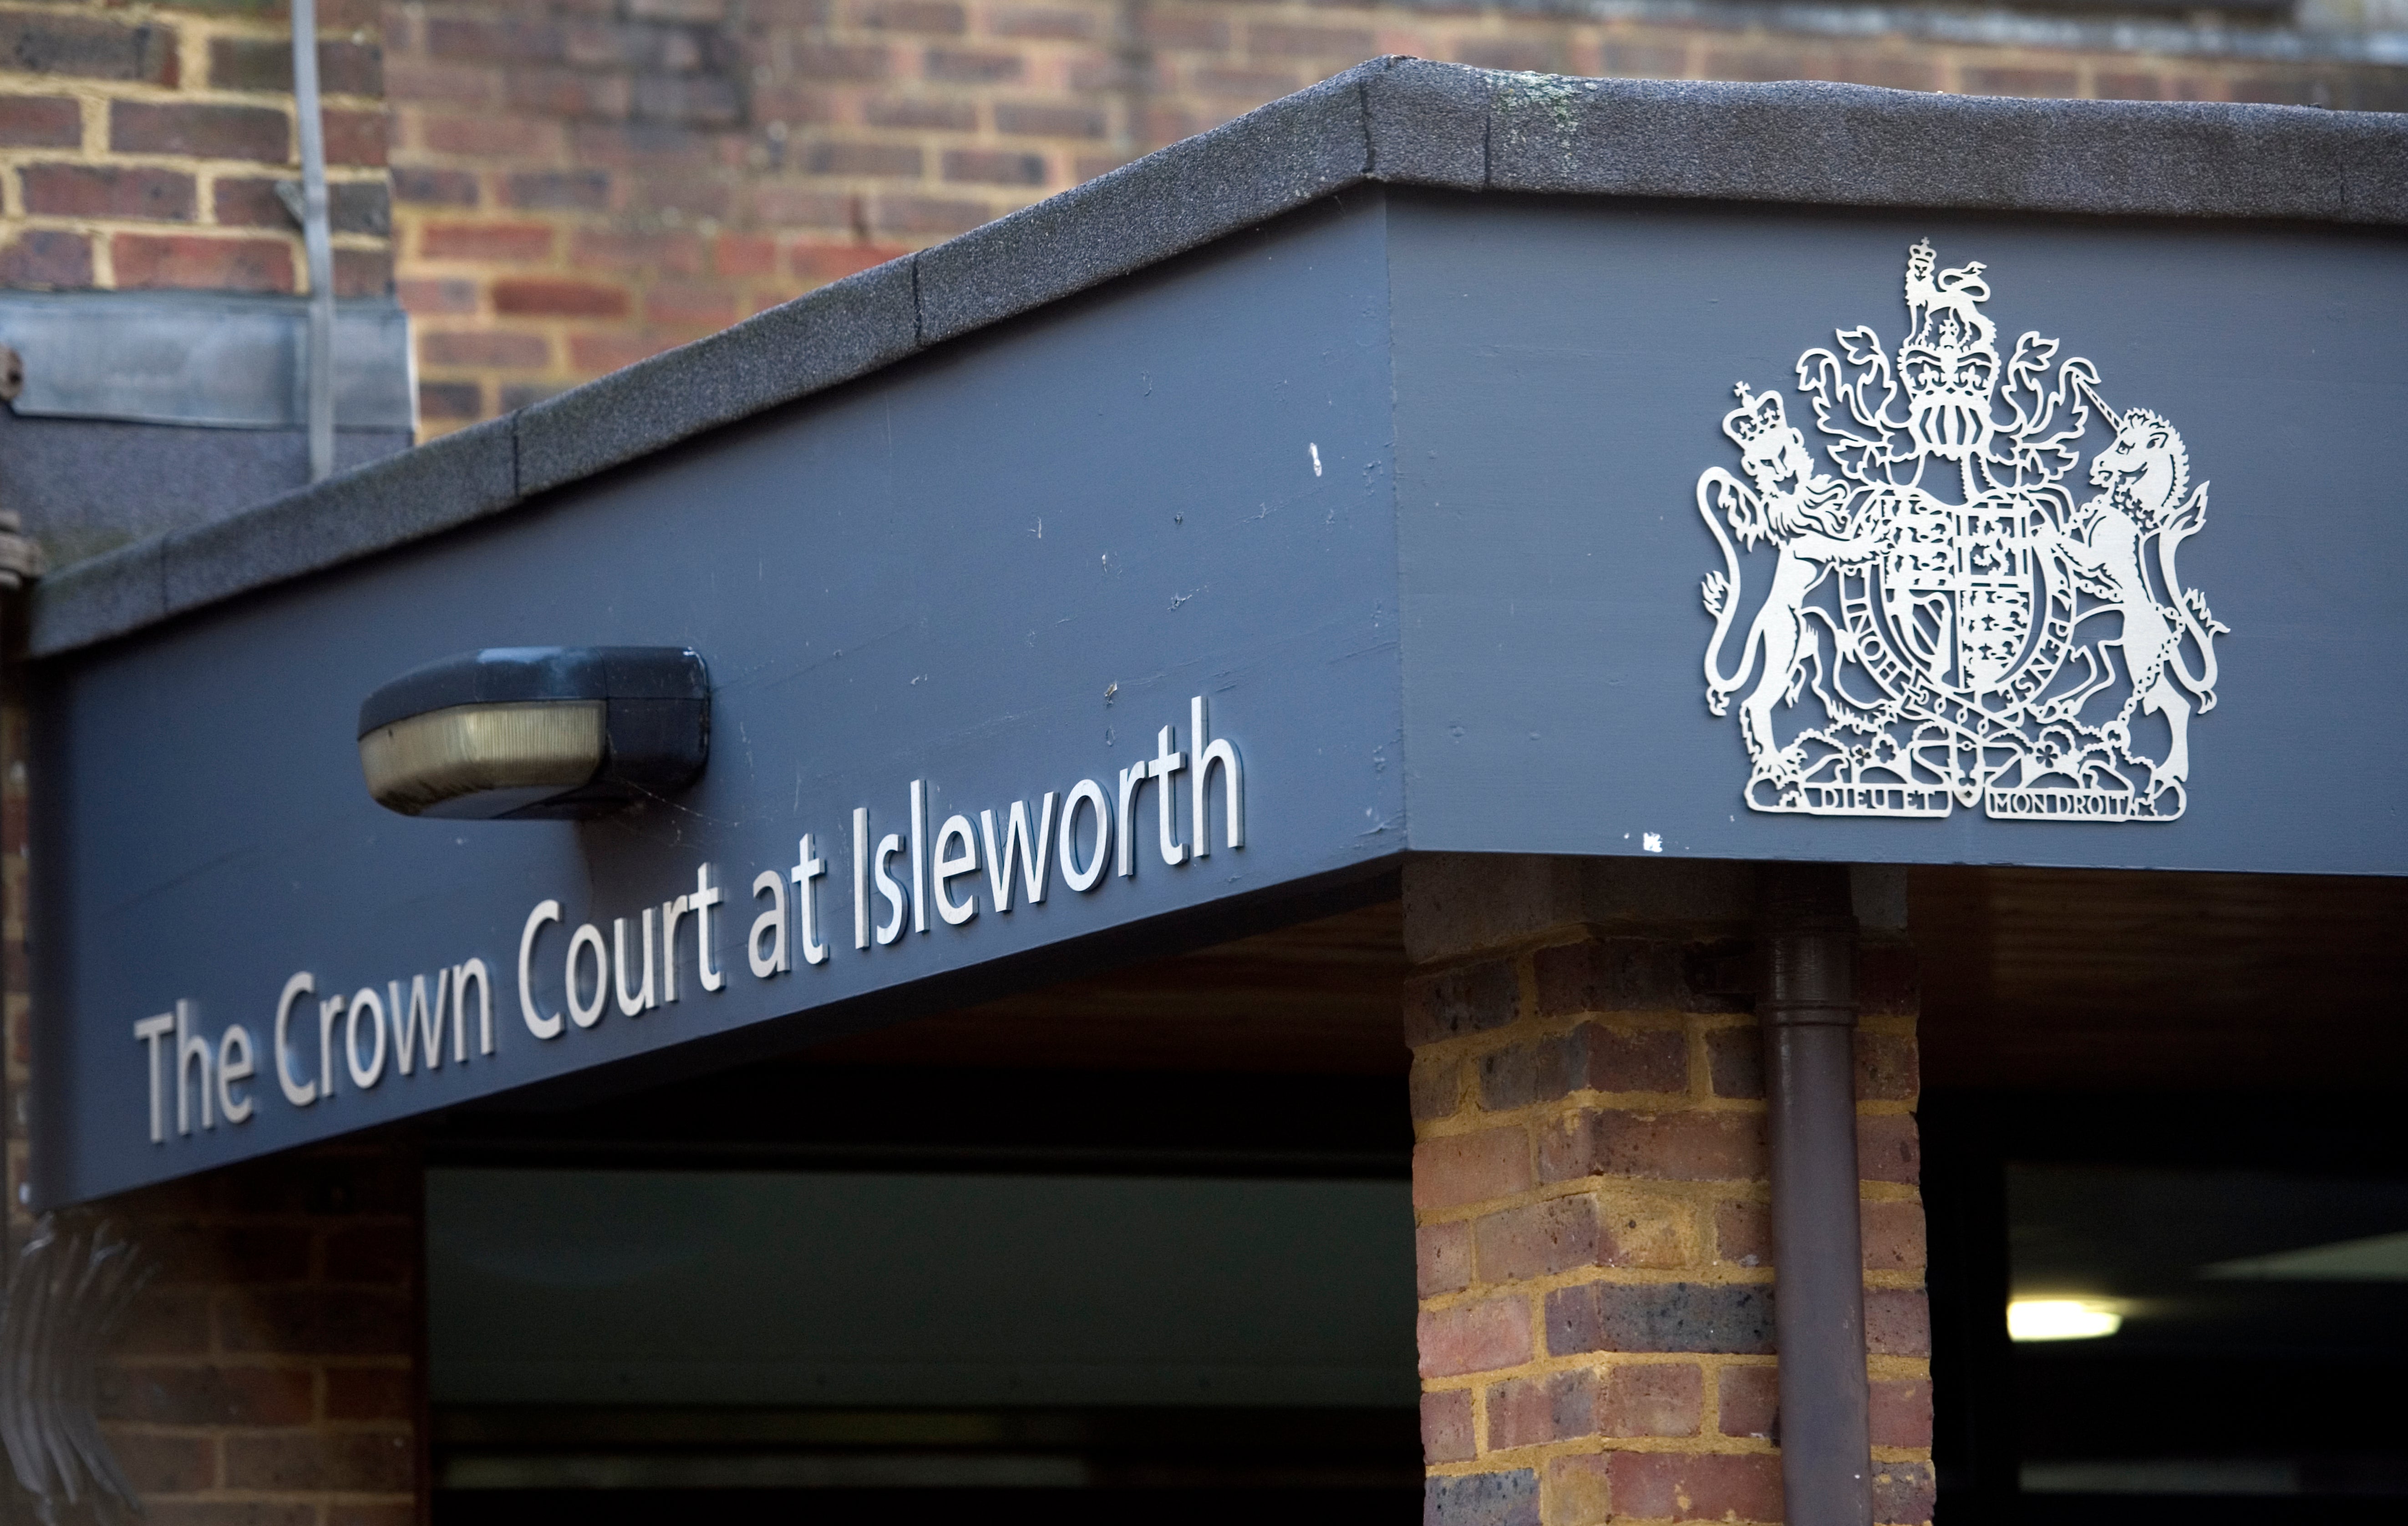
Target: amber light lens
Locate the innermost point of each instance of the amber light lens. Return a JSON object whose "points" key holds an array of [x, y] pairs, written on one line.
{"points": [[416, 764]]}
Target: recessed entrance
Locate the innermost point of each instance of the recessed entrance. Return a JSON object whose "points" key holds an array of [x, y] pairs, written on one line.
{"points": [[1137, 1245]]}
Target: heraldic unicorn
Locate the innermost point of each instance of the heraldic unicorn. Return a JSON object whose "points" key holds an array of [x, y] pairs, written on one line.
{"points": [[1944, 624]]}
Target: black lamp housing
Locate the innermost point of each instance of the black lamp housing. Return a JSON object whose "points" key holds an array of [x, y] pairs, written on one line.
{"points": [[537, 732]]}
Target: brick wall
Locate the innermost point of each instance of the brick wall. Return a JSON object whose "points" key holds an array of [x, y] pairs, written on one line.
{"points": [[270, 1374], [1590, 1191], [580, 183], [586, 181], [139, 147]]}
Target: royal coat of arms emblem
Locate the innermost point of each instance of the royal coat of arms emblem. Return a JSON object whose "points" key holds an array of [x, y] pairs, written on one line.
{"points": [[1944, 625]]}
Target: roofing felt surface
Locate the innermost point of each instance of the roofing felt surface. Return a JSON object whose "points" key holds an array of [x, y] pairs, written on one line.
{"points": [[1391, 121]]}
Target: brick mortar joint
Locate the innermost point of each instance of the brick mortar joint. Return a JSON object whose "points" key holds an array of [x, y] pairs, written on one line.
{"points": [[142, 92], [220, 232], [1516, 950], [249, 169], [1474, 1119], [181, 225], [1524, 947], [1522, 1029], [155, 9], [1715, 1444], [260, 29], [1536, 1455], [1518, 1458], [1712, 1363], [1534, 1291], [1527, 1026], [1653, 1104], [1716, 1273], [197, 164], [1729, 1275], [1764, 1274], [1691, 1194]]}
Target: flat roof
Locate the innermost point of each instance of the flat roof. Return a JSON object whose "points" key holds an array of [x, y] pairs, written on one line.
{"points": [[1396, 121]]}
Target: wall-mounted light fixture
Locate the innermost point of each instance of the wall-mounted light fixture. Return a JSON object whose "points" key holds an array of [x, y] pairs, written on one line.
{"points": [[536, 733]]}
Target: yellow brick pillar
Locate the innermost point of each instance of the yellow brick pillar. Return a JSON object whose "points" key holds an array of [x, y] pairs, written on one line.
{"points": [[1595, 1273]]}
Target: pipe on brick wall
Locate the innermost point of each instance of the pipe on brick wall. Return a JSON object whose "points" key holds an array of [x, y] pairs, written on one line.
{"points": [[1808, 1009], [317, 241]]}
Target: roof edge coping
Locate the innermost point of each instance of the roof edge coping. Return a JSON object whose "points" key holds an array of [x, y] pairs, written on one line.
{"points": [[1392, 121]]}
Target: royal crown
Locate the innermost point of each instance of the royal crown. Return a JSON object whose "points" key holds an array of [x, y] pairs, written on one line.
{"points": [[1755, 416]]}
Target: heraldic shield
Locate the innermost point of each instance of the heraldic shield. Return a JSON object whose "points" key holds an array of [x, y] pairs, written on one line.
{"points": [[1943, 625]]}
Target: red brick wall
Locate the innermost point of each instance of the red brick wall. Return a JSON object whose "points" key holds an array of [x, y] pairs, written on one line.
{"points": [[270, 1374], [139, 147], [578, 183], [1590, 1189], [582, 182]]}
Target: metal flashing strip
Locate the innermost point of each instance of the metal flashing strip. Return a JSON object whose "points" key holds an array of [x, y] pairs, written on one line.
{"points": [[1391, 121], [207, 359]]}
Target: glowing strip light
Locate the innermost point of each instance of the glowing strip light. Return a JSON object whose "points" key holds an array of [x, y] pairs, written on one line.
{"points": [[2060, 1320], [418, 763]]}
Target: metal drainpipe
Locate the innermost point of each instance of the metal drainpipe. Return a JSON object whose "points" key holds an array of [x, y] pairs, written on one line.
{"points": [[1809, 1014], [316, 240]]}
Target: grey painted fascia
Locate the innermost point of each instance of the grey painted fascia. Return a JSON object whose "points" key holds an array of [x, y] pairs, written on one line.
{"points": [[1393, 121]]}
